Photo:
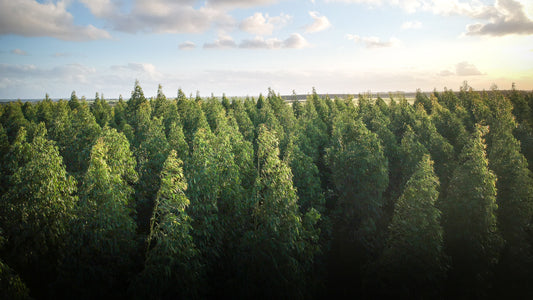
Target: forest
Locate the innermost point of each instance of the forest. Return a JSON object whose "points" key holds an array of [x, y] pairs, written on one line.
{"points": [[205, 197]]}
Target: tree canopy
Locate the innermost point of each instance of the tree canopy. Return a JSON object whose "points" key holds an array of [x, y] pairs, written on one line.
{"points": [[260, 197]]}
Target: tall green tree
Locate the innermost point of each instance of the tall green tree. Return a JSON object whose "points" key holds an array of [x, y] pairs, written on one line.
{"points": [[13, 119], [215, 191], [102, 246], [160, 104], [441, 150], [360, 174], [73, 102], [272, 266], [134, 104], [172, 268], [413, 263], [514, 198], [246, 126], [36, 209], [192, 118], [101, 110], [4, 149], [11, 285], [472, 238], [306, 180], [176, 141], [119, 114], [151, 153], [76, 141], [411, 152]]}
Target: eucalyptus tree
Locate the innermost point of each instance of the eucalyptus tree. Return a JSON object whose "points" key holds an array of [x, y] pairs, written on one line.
{"points": [[514, 198], [36, 208], [102, 243], [472, 238], [172, 267], [279, 248], [413, 263]]}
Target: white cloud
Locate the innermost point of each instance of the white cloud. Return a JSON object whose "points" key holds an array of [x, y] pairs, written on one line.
{"points": [[187, 45], [223, 42], [411, 25], [30, 81], [353, 37], [66, 73], [170, 16], [261, 43], [162, 16], [466, 69], [19, 52], [375, 42], [372, 42], [445, 73], [101, 8], [463, 68], [503, 17], [31, 18], [139, 69], [510, 18], [407, 5], [257, 24], [230, 4], [320, 23], [295, 41], [263, 25]]}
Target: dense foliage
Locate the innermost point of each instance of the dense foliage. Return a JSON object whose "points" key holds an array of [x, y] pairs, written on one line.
{"points": [[259, 198]]}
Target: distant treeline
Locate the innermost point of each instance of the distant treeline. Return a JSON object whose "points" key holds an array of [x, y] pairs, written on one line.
{"points": [[332, 197]]}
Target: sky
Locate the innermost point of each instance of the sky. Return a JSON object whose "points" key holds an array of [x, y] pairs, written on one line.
{"points": [[245, 47]]}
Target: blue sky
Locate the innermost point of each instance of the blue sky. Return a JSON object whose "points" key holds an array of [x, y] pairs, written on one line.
{"points": [[242, 47]]}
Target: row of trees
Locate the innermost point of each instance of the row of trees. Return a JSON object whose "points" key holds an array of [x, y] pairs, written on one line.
{"points": [[204, 197]]}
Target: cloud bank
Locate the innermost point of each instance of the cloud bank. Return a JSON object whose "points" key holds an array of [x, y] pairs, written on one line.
{"points": [[263, 25], [503, 17], [30, 18], [463, 68], [373, 42], [294, 41]]}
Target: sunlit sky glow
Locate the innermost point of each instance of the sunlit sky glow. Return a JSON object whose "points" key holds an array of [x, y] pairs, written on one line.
{"points": [[243, 47]]}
